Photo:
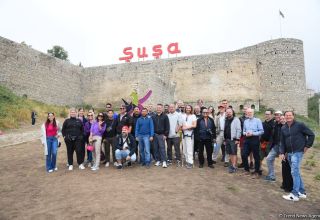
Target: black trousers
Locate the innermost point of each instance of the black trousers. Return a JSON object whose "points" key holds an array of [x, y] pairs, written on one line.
{"points": [[110, 142], [33, 121], [287, 181], [76, 145], [176, 143], [196, 145], [251, 144], [209, 150]]}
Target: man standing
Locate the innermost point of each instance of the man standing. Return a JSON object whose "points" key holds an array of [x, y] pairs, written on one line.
{"points": [[274, 146], [135, 115], [161, 131], [206, 131], [296, 139], [189, 123], [174, 138], [109, 137], [123, 119], [268, 125], [232, 133], [126, 147], [220, 120], [109, 107], [252, 129], [144, 132]]}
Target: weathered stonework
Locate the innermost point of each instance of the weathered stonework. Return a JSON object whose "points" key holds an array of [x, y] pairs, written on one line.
{"points": [[270, 73]]}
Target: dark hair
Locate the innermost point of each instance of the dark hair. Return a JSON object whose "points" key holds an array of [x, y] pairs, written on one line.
{"points": [[109, 104], [103, 116], [287, 112], [144, 109], [110, 110], [270, 110], [54, 120], [81, 109], [160, 104], [166, 105]]}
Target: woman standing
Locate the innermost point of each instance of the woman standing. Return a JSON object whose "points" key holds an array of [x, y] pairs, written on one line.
{"points": [[96, 132], [50, 132], [87, 128]]}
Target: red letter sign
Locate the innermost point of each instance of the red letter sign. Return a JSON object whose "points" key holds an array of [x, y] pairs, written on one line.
{"points": [[127, 51], [175, 49], [143, 54], [157, 51]]}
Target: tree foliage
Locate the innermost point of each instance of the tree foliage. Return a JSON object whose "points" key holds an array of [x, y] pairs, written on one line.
{"points": [[58, 52]]}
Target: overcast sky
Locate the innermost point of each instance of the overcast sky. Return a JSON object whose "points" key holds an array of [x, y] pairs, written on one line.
{"points": [[95, 32]]}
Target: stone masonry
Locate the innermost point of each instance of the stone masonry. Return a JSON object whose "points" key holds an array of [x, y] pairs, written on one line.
{"points": [[271, 74]]}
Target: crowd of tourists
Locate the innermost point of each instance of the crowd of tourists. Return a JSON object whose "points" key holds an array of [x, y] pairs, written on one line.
{"points": [[148, 136]]}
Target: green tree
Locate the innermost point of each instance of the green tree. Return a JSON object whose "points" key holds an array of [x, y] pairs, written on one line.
{"points": [[58, 52], [313, 107]]}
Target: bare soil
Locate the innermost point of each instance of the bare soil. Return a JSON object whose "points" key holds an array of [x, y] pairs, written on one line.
{"points": [[28, 192]]}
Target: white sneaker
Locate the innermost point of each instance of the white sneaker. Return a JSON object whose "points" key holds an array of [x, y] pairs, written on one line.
{"points": [[302, 195], [291, 197], [158, 163], [56, 169], [81, 167], [50, 171], [107, 164], [70, 167], [164, 164], [94, 168], [115, 164]]}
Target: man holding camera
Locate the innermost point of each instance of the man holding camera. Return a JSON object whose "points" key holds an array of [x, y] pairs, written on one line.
{"points": [[206, 132]]}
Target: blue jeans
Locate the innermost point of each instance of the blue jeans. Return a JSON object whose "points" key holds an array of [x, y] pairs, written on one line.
{"points": [[144, 145], [270, 161], [295, 163], [52, 145], [122, 154]]}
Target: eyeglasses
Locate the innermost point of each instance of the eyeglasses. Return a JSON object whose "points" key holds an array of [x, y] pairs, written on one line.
{"points": [[100, 115], [90, 115], [121, 107]]}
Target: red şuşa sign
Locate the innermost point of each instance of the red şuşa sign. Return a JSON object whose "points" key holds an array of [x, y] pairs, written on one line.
{"points": [[173, 48]]}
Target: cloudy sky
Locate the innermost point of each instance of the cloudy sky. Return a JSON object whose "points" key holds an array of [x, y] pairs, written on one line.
{"points": [[95, 32]]}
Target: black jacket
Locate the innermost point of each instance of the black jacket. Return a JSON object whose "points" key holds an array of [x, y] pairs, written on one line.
{"points": [[267, 128], [126, 120], [276, 134], [130, 141], [72, 127], [161, 124], [111, 126], [295, 138], [134, 122], [205, 133]]}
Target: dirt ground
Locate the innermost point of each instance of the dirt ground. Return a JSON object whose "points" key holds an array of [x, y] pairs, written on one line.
{"points": [[28, 192]]}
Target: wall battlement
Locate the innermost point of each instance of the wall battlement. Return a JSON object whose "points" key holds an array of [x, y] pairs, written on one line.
{"points": [[271, 73]]}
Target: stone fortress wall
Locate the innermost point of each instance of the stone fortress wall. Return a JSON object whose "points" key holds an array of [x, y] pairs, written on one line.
{"points": [[271, 74]]}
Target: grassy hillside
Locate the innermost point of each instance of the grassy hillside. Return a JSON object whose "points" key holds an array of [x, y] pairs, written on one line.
{"points": [[15, 110]]}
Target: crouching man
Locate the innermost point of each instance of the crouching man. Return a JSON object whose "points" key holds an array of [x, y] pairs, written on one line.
{"points": [[125, 148]]}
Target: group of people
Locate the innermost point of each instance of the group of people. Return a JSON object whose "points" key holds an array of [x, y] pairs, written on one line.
{"points": [[147, 135]]}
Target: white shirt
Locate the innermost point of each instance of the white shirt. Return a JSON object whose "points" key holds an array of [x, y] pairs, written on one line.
{"points": [[222, 120], [187, 120], [174, 121]]}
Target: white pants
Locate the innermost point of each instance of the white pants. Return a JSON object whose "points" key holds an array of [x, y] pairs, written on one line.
{"points": [[216, 149], [188, 149], [97, 150]]}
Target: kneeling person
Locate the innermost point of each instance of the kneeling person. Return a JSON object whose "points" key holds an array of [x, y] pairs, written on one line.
{"points": [[126, 147]]}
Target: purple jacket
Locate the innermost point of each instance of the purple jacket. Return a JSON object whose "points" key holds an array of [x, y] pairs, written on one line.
{"points": [[95, 129], [87, 128]]}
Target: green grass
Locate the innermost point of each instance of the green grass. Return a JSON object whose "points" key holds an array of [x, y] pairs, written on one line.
{"points": [[15, 110], [317, 177]]}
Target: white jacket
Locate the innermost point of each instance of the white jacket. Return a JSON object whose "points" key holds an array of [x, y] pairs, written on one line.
{"points": [[44, 136]]}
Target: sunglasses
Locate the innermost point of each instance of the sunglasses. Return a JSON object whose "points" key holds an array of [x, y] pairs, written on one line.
{"points": [[122, 108], [100, 115], [90, 115]]}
